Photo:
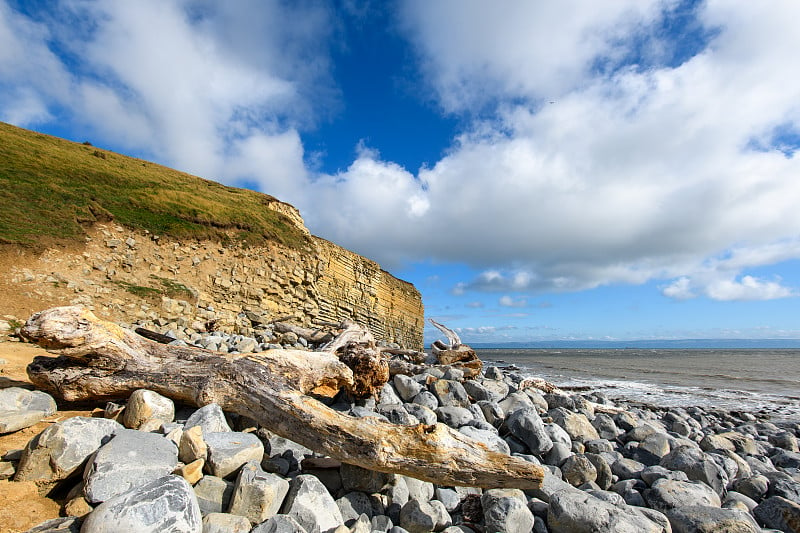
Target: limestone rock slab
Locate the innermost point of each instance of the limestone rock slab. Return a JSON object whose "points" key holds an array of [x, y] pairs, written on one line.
{"points": [[130, 459], [163, 504]]}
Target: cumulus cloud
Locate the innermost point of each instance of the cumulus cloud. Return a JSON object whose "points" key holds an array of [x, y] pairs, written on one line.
{"points": [[208, 88], [636, 172], [658, 158], [508, 301]]}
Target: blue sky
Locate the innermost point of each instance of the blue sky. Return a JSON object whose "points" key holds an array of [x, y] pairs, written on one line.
{"points": [[539, 170]]}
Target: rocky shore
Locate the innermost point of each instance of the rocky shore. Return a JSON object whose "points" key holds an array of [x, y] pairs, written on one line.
{"points": [[151, 465]]}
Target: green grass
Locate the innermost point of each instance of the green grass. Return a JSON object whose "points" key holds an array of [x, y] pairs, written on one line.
{"points": [[138, 290], [51, 189]]}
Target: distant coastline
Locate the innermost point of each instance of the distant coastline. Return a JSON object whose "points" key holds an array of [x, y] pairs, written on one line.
{"points": [[660, 344]]}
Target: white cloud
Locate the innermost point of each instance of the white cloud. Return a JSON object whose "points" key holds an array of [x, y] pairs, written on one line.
{"points": [[680, 289], [508, 301], [661, 169], [748, 288]]}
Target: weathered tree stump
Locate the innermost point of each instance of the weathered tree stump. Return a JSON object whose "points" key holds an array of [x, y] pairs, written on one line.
{"points": [[102, 361]]}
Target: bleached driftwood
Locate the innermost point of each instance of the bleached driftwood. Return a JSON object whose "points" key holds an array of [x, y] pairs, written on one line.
{"points": [[100, 360]]}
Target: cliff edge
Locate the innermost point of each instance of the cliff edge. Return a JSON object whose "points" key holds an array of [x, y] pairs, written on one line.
{"points": [[135, 241]]}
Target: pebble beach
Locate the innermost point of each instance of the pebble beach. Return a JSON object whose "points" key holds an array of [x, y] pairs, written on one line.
{"points": [[610, 465]]}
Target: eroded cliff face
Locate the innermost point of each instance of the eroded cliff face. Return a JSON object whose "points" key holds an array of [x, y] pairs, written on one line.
{"points": [[132, 276]]}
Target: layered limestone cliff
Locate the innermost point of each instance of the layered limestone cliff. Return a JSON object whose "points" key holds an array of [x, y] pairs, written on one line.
{"points": [[135, 276]]}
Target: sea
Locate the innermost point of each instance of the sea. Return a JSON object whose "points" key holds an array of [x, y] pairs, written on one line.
{"points": [[763, 381]]}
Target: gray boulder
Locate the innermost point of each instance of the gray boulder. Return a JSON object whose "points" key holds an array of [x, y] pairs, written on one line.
{"points": [[450, 393], [627, 469], [516, 401], [453, 416], [605, 426], [418, 489], [144, 405], [406, 387], [388, 395], [479, 393], [575, 424], [311, 505], [604, 475], [257, 495], [427, 399], [755, 487], [526, 425], [424, 414], [164, 504], [422, 517], [578, 469], [778, 513], [702, 519], [230, 450], [61, 450], [21, 408], [666, 494], [280, 523], [130, 459], [697, 465], [213, 494], [492, 412], [225, 523], [210, 417], [506, 510], [397, 414], [354, 504], [579, 512], [355, 478], [490, 438]]}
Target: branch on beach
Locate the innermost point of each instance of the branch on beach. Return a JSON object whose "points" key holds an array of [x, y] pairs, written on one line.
{"points": [[100, 360]]}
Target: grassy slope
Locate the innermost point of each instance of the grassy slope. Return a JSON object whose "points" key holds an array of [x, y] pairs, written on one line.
{"points": [[49, 187]]}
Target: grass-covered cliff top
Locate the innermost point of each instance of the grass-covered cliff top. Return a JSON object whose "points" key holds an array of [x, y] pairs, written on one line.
{"points": [[51, 189]]}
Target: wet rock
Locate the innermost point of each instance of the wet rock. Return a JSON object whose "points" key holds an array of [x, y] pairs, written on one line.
{"points": [[163, 504]]}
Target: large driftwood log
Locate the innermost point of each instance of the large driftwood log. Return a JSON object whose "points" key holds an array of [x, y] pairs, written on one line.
{"points": [[100, 360]]}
